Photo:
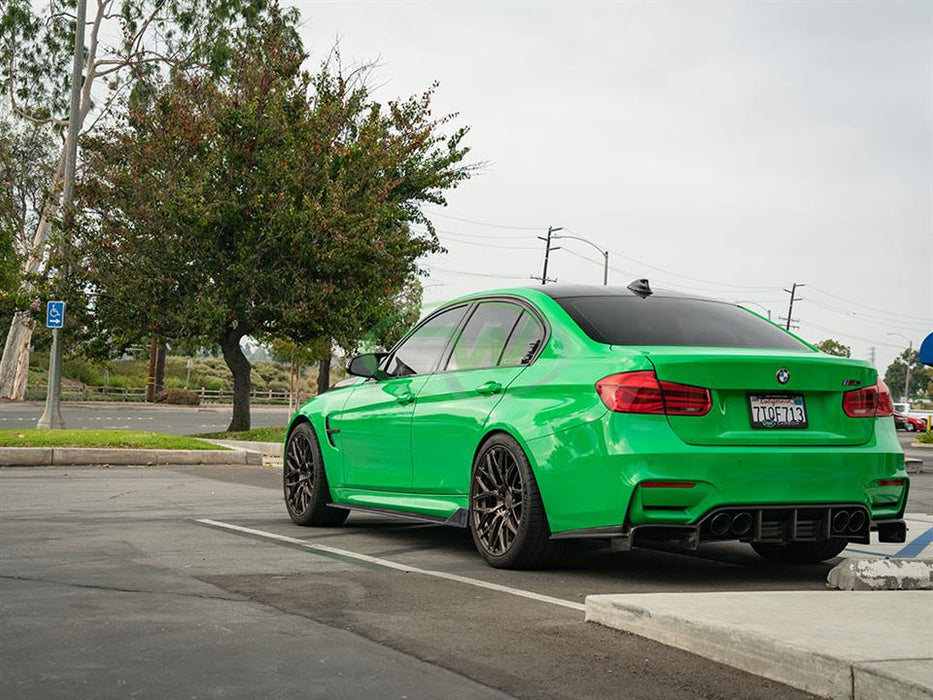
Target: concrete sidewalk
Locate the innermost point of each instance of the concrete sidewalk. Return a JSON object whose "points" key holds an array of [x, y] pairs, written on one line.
{"points": [[868, 645]]}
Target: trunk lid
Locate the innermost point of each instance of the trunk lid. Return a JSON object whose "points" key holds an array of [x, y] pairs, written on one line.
{"points": [[732, 374]]}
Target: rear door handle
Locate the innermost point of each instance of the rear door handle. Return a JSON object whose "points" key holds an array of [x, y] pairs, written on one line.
{"points": [[489, 388], [405, 398]]}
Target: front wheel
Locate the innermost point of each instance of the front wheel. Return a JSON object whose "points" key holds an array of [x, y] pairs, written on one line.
{"points": [[801, 552], [306, 491], [910, 427], [507, 518]]}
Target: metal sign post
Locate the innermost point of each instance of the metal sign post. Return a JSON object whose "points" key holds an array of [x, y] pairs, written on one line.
{"points": [[52, 416]]}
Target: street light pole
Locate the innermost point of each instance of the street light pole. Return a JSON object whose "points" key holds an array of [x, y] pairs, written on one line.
{"points": [[760, 306], [910, 351], [52, 417], [604, 253]]}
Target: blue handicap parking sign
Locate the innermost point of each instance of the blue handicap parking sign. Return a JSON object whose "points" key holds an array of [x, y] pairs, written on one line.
{"points": [[55, 314]]}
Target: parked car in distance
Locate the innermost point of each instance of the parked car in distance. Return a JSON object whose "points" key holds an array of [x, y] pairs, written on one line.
{"points": [[537, 416], [911, 424]]}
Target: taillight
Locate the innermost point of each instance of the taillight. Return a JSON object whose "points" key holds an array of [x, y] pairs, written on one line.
{"points": [[641, 392], [870, 402]]}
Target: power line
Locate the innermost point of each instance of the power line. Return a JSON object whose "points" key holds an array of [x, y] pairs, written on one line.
{"points": [[486, 223], [868, 318], [718, 287], [474, 274], [513, 236], [848, 336], [923, 319], [677, 274], [485, 245]]}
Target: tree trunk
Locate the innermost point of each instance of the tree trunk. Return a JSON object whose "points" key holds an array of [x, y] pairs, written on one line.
{"points": [[150, 379], [240, 368], [14, 366], [160, 369], [323, 375], [294, 377]]}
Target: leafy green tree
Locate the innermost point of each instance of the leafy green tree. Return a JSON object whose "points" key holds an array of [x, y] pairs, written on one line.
{"points": [[130, 44], [26, 161], [896, 374], [296, 357], [831, 346], [269, 203]]}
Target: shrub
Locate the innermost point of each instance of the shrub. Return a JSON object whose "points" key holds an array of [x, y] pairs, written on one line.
{"points": [[182, 397]]}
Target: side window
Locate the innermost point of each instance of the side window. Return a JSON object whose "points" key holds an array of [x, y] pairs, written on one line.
{"points": [[484, 336], [420, 351], [526, 338]]}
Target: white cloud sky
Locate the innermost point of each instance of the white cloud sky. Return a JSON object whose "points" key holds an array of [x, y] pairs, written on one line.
{"points": [[742, 144]]}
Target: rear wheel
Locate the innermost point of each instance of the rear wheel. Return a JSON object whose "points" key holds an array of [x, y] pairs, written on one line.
{"points": [[801, 552], [306, 491], [507, 518], [910, 427]]}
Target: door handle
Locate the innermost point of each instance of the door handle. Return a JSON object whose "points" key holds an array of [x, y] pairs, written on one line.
{"points": [[405, 398], [489, 388]]}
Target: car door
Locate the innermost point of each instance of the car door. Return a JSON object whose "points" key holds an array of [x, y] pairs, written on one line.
{"points": [[496, 343], [375, 423]]}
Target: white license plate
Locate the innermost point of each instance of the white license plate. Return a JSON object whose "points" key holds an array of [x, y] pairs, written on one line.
{"points": [[777, 410]]}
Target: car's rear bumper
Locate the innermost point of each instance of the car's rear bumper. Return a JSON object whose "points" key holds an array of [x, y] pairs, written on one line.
{"points": [[765, 524], [608, 474]]}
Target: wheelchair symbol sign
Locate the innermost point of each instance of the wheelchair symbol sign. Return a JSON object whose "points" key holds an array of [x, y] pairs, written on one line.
{"points": [[55, 314]]}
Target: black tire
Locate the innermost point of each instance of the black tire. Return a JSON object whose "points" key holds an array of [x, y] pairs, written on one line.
{"points": [[801, 552], [910, 427], [509, 533], [305, 481]]}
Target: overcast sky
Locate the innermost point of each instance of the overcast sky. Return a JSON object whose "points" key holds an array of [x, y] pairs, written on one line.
{"points": [[725, 148]]}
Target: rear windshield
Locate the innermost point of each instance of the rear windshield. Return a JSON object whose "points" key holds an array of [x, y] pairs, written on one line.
{"points": [[631, 320]]}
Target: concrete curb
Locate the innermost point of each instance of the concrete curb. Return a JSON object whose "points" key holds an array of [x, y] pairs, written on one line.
{"points": [[860, 574], [822, 642], [77, 456], [266, 449]]}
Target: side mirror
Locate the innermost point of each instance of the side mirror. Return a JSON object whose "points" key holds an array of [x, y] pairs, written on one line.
{"points": [[367, 365]]}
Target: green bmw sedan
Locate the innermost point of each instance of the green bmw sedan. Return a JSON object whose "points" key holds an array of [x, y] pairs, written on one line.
{"points": [[538, 416]]}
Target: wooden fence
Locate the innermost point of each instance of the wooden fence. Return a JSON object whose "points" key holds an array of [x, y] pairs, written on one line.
{"points": [[112, 393]]}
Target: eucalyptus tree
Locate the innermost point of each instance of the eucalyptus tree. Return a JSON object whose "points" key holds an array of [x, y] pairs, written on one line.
{"points": [[130, 45]]}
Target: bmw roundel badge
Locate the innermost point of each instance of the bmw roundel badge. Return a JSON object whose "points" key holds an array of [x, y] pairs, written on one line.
{"points": [[783, 375]]}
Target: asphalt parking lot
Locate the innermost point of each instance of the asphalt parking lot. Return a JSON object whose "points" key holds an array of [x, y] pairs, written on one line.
{"points": [[112, 585]]}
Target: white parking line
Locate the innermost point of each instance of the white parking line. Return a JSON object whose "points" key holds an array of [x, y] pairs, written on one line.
{"points": [[396, 565]]}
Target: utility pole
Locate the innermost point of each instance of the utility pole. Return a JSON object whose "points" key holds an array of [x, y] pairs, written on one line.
{"points": [[910, 352], [551, 230], [790, 309], [871, 355], [52, 417]]}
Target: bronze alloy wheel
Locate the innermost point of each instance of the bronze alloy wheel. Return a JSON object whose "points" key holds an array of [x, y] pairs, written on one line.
{"points": [[497, 502], [299, 473], [307, 494]]}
